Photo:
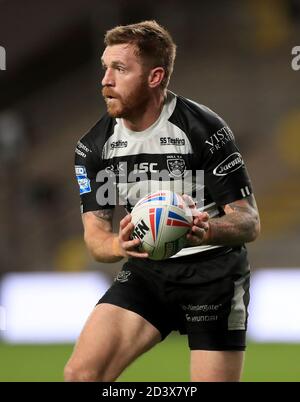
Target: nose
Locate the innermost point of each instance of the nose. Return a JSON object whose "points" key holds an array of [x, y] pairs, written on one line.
{"points": [[108, 79]]}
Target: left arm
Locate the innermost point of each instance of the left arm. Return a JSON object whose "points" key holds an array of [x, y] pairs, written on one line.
{"points": [[239, 225]]}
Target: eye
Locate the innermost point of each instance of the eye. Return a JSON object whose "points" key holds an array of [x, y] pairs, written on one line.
{"points": [[120, 69]]}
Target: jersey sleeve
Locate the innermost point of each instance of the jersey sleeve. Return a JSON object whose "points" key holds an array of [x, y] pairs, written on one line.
{"points": [[88, 164], [225, 173]]}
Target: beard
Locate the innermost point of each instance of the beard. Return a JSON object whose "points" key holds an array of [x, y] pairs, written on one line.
{"points": [[127, 106]]}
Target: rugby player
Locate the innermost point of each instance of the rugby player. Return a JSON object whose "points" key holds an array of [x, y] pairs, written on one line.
{"points": [[203, 291]]}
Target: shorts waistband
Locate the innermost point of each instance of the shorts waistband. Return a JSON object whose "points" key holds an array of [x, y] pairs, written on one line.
{"points": [[197, 257]]}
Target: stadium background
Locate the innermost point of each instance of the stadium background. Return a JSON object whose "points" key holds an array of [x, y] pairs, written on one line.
{"points": [[233, 56]]}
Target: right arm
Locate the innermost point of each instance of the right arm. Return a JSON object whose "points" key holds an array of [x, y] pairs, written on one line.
{"points": [[103, 244]]}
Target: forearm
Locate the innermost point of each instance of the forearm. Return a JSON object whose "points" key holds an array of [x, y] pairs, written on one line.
{"points": [[103, 244], [232, 229], [99, 238], [105, 248]]}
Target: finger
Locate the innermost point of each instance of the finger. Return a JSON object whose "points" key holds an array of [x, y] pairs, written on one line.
{"points": [[201, 219], [191, 204], [198, 214], [201, 225], [203, 216], [193, 240], [199, 232], [189, 201], [128, 245], [126, 232], [124, 222], [136, 254]]}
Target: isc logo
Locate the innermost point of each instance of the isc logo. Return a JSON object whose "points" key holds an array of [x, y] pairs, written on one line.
{"points": [[145, 167]]}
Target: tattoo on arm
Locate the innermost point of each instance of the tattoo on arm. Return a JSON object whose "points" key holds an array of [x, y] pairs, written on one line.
{"points": [[239, 225], [247, 205], [98, 234], [105, 214]]}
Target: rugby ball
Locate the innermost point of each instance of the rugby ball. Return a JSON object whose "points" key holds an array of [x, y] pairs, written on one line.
{"points": [[161, 221]]}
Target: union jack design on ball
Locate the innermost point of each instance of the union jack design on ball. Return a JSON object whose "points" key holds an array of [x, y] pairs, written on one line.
{"points": [[162, 196], [154, 216], [176, 220], [159, 196], [176, 200]]}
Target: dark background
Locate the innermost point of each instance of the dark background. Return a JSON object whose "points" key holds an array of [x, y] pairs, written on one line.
{"points": [[233, 56]]}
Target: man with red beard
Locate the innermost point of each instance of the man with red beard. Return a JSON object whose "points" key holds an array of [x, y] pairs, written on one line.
{"points": [[202, 291]]}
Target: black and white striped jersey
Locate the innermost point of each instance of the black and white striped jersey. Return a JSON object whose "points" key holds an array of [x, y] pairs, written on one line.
{"points": [[189, 149]]}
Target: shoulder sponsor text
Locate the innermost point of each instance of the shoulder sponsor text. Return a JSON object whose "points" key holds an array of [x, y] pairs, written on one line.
{"points": [[232, 163]]}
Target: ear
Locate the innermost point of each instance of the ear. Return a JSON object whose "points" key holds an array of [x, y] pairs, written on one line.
{"points": [[156, 76]]}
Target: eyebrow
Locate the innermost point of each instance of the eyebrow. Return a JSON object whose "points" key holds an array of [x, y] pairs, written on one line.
{"points": [[114, 63]]}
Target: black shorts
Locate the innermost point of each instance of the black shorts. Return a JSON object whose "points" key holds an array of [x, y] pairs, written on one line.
{"points": [[203, 296]]}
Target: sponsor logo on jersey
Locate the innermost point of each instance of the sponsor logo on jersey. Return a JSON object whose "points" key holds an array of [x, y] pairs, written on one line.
{"points": [[118, 144], [145, 167], [201, 307], [83, 180], [176, 166], [83, 147], [82, 150], [123, 276], [172, 141], [80, 153], [232, 163], [219, 139], [201, 318], [117, 170]]}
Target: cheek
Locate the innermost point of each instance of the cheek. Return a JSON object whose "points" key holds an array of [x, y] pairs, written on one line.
{"points": [[123, 88], [140, 89], [131, 90], [126, 93]]}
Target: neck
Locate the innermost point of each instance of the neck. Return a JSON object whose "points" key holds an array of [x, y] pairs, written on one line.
{"points": [[148, 115]]}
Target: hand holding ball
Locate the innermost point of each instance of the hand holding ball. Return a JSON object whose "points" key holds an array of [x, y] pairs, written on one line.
{"points": [[161, 221]]}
